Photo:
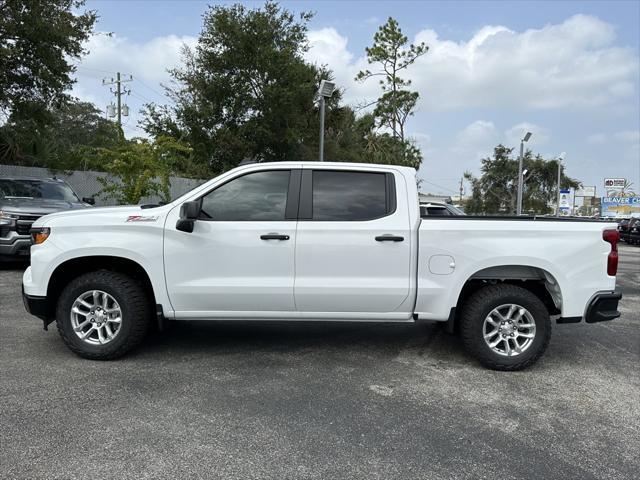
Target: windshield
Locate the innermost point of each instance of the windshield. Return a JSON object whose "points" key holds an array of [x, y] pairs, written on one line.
{"points": [[37, 189]]}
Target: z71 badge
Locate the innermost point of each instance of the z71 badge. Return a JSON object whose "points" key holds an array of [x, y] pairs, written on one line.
{"points": [[141, 218]]}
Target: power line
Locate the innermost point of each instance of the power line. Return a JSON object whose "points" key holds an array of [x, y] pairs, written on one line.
{"points": [[81, 67], [139, 96], [151, 88]]}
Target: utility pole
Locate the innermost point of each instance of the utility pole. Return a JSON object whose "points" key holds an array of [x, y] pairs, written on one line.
{"points": [[560, 158], [118, 92], [461, 189]]}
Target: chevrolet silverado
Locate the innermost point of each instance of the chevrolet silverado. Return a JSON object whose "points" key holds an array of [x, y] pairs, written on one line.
{"points": [[318, 241]]}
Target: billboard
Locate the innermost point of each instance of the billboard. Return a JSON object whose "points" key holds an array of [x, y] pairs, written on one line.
{"points": [[565, 203], [613, 186], [614, 182], [620, 207], [586, 192]]}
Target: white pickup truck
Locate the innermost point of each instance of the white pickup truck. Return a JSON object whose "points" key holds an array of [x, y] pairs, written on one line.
{"points": [[317, 241]]}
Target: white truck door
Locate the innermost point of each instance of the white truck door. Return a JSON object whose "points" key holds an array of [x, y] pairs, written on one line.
{"points": [[239, 259], [353, 246]]}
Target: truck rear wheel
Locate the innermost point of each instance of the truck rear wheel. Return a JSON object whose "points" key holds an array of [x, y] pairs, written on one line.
{"points": [[505, 327], [102, 315]]}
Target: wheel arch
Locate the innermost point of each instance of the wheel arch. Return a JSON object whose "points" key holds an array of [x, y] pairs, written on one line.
{"points": [[74, 267], [537, 280]]}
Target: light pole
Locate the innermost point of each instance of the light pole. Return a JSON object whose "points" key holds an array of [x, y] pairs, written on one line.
{"points": [[560, 158], [526, 138], [325, 91]]}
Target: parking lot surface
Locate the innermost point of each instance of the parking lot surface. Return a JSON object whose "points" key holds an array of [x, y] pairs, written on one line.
{"points": [[319, 401]]}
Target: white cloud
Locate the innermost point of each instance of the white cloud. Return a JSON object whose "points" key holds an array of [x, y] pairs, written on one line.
{"points": [[631, 136], [328, 47], [538, 134], [624, 136], [477, 135], [571, 64], [148, 61], [445, 163]]}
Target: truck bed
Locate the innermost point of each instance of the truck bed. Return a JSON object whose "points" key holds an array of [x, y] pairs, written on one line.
{"points": [[569, 254]]}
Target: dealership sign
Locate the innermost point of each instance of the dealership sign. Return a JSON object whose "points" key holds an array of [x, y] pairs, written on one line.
{"points": [[565, 203], [614, 186], [620, 206], [614, 182]]}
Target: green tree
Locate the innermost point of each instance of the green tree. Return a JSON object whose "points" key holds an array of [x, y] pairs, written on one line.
{"points": [[38, 40], [392, 54], [141, 168], [496, 190], [244, 91], [67, 141]]}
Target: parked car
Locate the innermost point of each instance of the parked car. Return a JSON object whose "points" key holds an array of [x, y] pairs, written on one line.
{"points": [[439, 209], [631, 234], [22, 201], [623, 227], [318, 241]]}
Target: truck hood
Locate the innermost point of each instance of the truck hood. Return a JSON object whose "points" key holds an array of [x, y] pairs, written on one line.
{"points": [[104, 214], [38, 206]]}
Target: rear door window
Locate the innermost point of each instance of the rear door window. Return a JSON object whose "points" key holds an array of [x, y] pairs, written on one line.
{"points": [[351, 196]]}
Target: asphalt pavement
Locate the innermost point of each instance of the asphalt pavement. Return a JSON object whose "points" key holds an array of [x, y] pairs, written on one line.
{"points": [[319, 401]]}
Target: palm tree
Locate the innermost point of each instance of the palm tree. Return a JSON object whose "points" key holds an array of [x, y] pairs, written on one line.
{"points": [[624, 191]]}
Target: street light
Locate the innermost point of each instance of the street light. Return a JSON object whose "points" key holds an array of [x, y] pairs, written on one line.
{"points": [[560, 158], [325, 91], [520, 180]]}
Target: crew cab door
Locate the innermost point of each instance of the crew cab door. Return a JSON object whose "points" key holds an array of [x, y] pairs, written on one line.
{"points": [[353, 247], [239, 260]]}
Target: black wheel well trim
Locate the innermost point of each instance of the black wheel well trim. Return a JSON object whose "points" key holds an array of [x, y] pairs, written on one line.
{"points": [[539, 286], [74, 267]]}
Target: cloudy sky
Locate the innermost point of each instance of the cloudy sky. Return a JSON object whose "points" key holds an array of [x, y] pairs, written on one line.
{"points": [[569, 72]]}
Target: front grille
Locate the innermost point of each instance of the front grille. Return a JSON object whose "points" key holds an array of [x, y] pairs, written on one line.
{"points": [[24, 228], [24, 222]]}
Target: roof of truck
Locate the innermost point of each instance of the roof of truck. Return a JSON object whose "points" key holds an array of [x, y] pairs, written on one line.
{"points": [[328, 164], [31, 179]]}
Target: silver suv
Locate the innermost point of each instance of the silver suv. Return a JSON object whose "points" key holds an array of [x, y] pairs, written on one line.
{"points": [[22, 201]]}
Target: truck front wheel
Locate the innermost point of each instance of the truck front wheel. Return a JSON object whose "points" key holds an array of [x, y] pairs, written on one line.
{"points": [[102, 315], [505, 327]]}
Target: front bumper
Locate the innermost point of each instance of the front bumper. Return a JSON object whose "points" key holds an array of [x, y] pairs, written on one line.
{"points": [[14, 246], [37, 306], [603, 307]]}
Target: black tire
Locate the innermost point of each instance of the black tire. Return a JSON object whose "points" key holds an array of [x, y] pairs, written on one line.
{"points": [[481, 303], [134, 304]]}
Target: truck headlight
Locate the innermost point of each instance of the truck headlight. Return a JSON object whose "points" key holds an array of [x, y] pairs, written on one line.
{"points": [[39, 235], [6, 218]]}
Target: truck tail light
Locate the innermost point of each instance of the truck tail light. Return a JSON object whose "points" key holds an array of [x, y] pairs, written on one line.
{"points": [[612, 237]]}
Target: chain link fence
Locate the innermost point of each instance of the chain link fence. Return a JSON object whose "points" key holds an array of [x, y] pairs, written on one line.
{"points": [[86, 184]]}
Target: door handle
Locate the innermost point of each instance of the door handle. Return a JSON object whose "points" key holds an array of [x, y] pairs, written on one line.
{"points": [[389, 238], [274, 236]]}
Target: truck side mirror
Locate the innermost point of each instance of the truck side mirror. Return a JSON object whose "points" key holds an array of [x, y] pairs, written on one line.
{"points": [[89, 200], [189, 213]]}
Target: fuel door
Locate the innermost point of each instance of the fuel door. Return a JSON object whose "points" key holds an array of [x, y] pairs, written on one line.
{"points": [[442, 264]]}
